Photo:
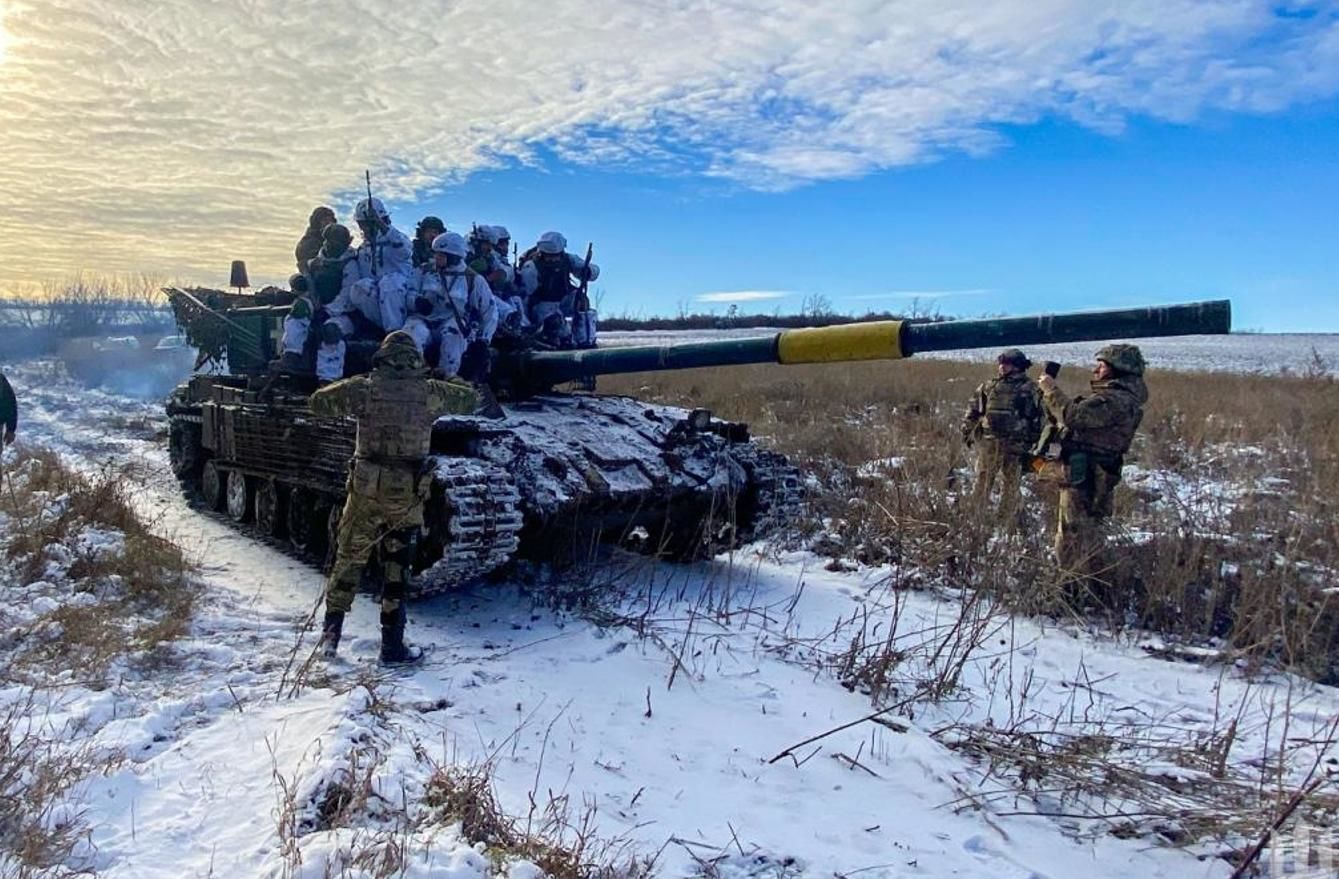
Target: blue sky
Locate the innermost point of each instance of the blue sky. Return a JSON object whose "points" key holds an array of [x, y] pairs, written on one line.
{"points": [[1018, 154], [1057, 217]]}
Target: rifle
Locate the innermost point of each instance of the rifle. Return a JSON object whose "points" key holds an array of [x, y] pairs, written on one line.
{"points": [[582, 302], [376, 227]]}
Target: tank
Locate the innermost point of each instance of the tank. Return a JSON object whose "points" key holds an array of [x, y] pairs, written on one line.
{"points": [[563, 471]]}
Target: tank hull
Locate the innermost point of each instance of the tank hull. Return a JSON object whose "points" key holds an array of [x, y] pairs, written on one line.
{"points": [[559, 475]]}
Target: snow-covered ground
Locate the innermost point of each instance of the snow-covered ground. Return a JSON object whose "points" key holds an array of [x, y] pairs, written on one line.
{"points": [[1243, 352], [667, 728]]}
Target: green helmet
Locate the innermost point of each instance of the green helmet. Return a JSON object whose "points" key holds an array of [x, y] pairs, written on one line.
{"points": [[398, 352], [1123, 358]]}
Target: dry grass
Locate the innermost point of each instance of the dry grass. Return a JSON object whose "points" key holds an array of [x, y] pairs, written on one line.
{"points": [[1226, 522], [562, 844], [41, 821], [120, 588]]}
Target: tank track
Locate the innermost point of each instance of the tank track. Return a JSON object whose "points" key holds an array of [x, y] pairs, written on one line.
{"points": [[776, 499], [481, 508]]}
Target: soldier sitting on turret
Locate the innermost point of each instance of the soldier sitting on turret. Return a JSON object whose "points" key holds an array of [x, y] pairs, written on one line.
{"points": [[330, 275], [310, 242], [485, 259], [384, 267], [427, 229], [451, 305], [547, 270]]}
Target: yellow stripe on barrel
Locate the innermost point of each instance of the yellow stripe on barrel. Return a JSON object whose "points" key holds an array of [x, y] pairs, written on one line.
{"points": [[875, 340]]}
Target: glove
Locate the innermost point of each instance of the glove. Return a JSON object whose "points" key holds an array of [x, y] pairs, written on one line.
{"points": [[423, 305], [476, 362], [363, 287]]}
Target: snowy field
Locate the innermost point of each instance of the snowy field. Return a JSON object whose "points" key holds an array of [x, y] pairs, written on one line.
{"points": [[670, 736], [1246, 352]]}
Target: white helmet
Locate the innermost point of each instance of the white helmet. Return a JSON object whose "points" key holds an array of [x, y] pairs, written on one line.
{"points": [[485, 233], [451, 243], [552, 242], [500, 233], [368, 207]]}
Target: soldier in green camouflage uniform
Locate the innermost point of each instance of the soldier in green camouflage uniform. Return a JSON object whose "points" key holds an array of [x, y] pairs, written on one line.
{"points": [[1003, 422], [9, 412], [1095, 431], [395, 405]]}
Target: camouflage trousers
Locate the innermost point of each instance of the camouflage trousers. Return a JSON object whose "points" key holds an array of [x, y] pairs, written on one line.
{"points": [[378, 529], [1081, 530], [997, 460]]}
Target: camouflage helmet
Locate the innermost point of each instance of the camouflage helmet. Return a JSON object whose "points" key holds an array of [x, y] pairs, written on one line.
{"points": [[398, 352], [337, 235], [430, 222], [321, 217], [1123, 358], [1014, 357], [370, 209]]}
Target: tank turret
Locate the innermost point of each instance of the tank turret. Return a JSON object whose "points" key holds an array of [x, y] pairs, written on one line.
{"points": [[561, 471]]}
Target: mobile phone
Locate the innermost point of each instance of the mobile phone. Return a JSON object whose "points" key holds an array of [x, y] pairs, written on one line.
{"points": [[1051, 368]]}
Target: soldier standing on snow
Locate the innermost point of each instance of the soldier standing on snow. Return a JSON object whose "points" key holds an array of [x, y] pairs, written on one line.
{"points": [[1095, 432], [1003, 422], [9, 412], [395, 406]]}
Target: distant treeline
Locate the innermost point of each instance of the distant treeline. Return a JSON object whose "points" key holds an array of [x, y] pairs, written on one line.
{"points": [[681, 321], [38, 322]]}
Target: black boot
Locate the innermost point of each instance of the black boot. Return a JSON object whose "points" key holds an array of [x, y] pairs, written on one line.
{"points": [[394, 651], [331, 629]]}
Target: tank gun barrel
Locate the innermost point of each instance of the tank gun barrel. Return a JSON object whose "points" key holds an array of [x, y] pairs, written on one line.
{"points": [[885, 340]]}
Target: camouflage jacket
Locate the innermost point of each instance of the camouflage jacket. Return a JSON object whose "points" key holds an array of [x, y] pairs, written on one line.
{"points": [[1102, 422], [1008, 408], [9, 407], [395, 411], [308, 246]]}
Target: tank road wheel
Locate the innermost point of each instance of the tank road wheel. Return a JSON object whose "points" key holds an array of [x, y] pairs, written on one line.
{"points": [[238, 496], [211, 486], [269, 508], [185, 451], [301, 520]]}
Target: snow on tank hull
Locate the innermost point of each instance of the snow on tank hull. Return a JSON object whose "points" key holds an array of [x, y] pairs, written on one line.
{"points": [[558, 475]]}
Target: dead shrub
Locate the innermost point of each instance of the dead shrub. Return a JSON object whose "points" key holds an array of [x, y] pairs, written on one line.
{"points": [[563, 846], [41, 821], [136, 589], [1225, 529]]}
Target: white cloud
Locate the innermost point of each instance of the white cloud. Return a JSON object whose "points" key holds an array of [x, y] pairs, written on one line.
{"points": [[744, 295], [171, 137]]}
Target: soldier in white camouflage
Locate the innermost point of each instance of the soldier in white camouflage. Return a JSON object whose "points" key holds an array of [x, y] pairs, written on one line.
{"points": [[1095, 431], [1003, 421], [395, 405]]}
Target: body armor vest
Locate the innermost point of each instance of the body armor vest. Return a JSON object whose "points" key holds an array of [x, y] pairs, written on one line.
{"points": [[1009, 412], [394, 426], [554, 283], [327, 275]]}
